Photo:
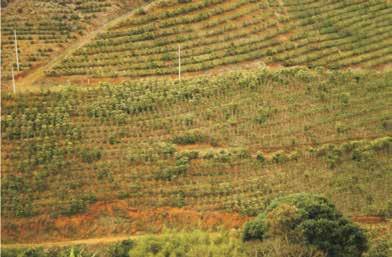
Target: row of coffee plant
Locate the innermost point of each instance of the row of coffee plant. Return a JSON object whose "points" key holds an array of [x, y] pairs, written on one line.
{"points": [[333, 34], [43, 27], [209, 143]]}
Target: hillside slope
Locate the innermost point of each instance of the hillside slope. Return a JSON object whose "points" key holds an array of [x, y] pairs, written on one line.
{"points": [[215, 33], [134, 157], [45, 28]]}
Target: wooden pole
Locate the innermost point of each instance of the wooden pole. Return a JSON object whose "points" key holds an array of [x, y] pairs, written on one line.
{"points": [[16, 51], [13, 80], [179, 62]]}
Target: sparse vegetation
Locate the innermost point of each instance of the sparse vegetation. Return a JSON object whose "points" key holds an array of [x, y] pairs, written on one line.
{"points": [[274, 142], [55, 144]]}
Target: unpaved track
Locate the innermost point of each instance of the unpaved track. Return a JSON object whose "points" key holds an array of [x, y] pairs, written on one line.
{"points": [[27, 81], [374, 220], [90, 241]]}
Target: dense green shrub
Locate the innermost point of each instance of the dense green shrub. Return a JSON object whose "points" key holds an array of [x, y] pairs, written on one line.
{"points": [[255, 229], [191, 155], [281, 247], [38, 252], [241, 153], [78, 205], [171, 172], [91, 155], [52, 252], [310, 219], [121, 249], [260, 157], [195, 244], [189, 138]]}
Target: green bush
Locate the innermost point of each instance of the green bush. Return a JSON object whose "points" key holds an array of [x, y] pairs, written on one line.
{"points": [[263, 115], [194, 244], [77, 206], [121, 249], [189, 138], [91, 155], [52, 252], [309, 219], [255, 229], [279, 157], [191, 155], [260, 157], [171, 172], [281, 247], [380, 248], [38, 252]]}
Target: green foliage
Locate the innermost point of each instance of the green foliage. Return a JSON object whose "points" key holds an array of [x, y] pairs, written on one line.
{"points": [[255, 229], [91, 155], [361, 151], [311, 219], [103, 173], [78, 205], [260, 157], [18, 204], [386, 210], [190, 155], [263, 115], [172, 172], [335, 237], [22, 253], [121, 249], [189, 138], [52, 252], [147, 153], [195, 244], [149, 173], [279, 157], [380, 248], [281, 247]]}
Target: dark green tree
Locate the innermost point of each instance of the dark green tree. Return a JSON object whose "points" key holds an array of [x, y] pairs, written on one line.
{"points": [[308, 219]]}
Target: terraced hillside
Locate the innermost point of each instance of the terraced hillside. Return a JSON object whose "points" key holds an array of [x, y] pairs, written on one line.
{"points": [[118, 159], [44, 28], [215, 33]]}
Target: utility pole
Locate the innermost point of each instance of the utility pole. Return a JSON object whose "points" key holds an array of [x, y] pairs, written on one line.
{"points": [[13, 79], [179, 62], [16, 51]]}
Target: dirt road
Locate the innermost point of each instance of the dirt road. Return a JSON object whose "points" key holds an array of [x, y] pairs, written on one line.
{"points": [[90, 241], [27, 81]]}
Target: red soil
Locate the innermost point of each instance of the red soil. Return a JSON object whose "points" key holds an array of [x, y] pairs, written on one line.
{"points": [[114, 218], [369, 219]]}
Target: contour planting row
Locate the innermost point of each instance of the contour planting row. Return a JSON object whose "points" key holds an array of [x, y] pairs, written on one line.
{"points": [[45, 27], [217, 33], [184, 143], [365, 26], [124, 52], [225, 178]]}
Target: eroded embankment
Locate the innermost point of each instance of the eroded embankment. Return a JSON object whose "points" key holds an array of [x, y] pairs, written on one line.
{"points": [[104, 219]]}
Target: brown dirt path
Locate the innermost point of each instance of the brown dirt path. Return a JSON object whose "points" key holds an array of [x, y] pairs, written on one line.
{"points": [[35, 75], [90, 241], [112, 239]]}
